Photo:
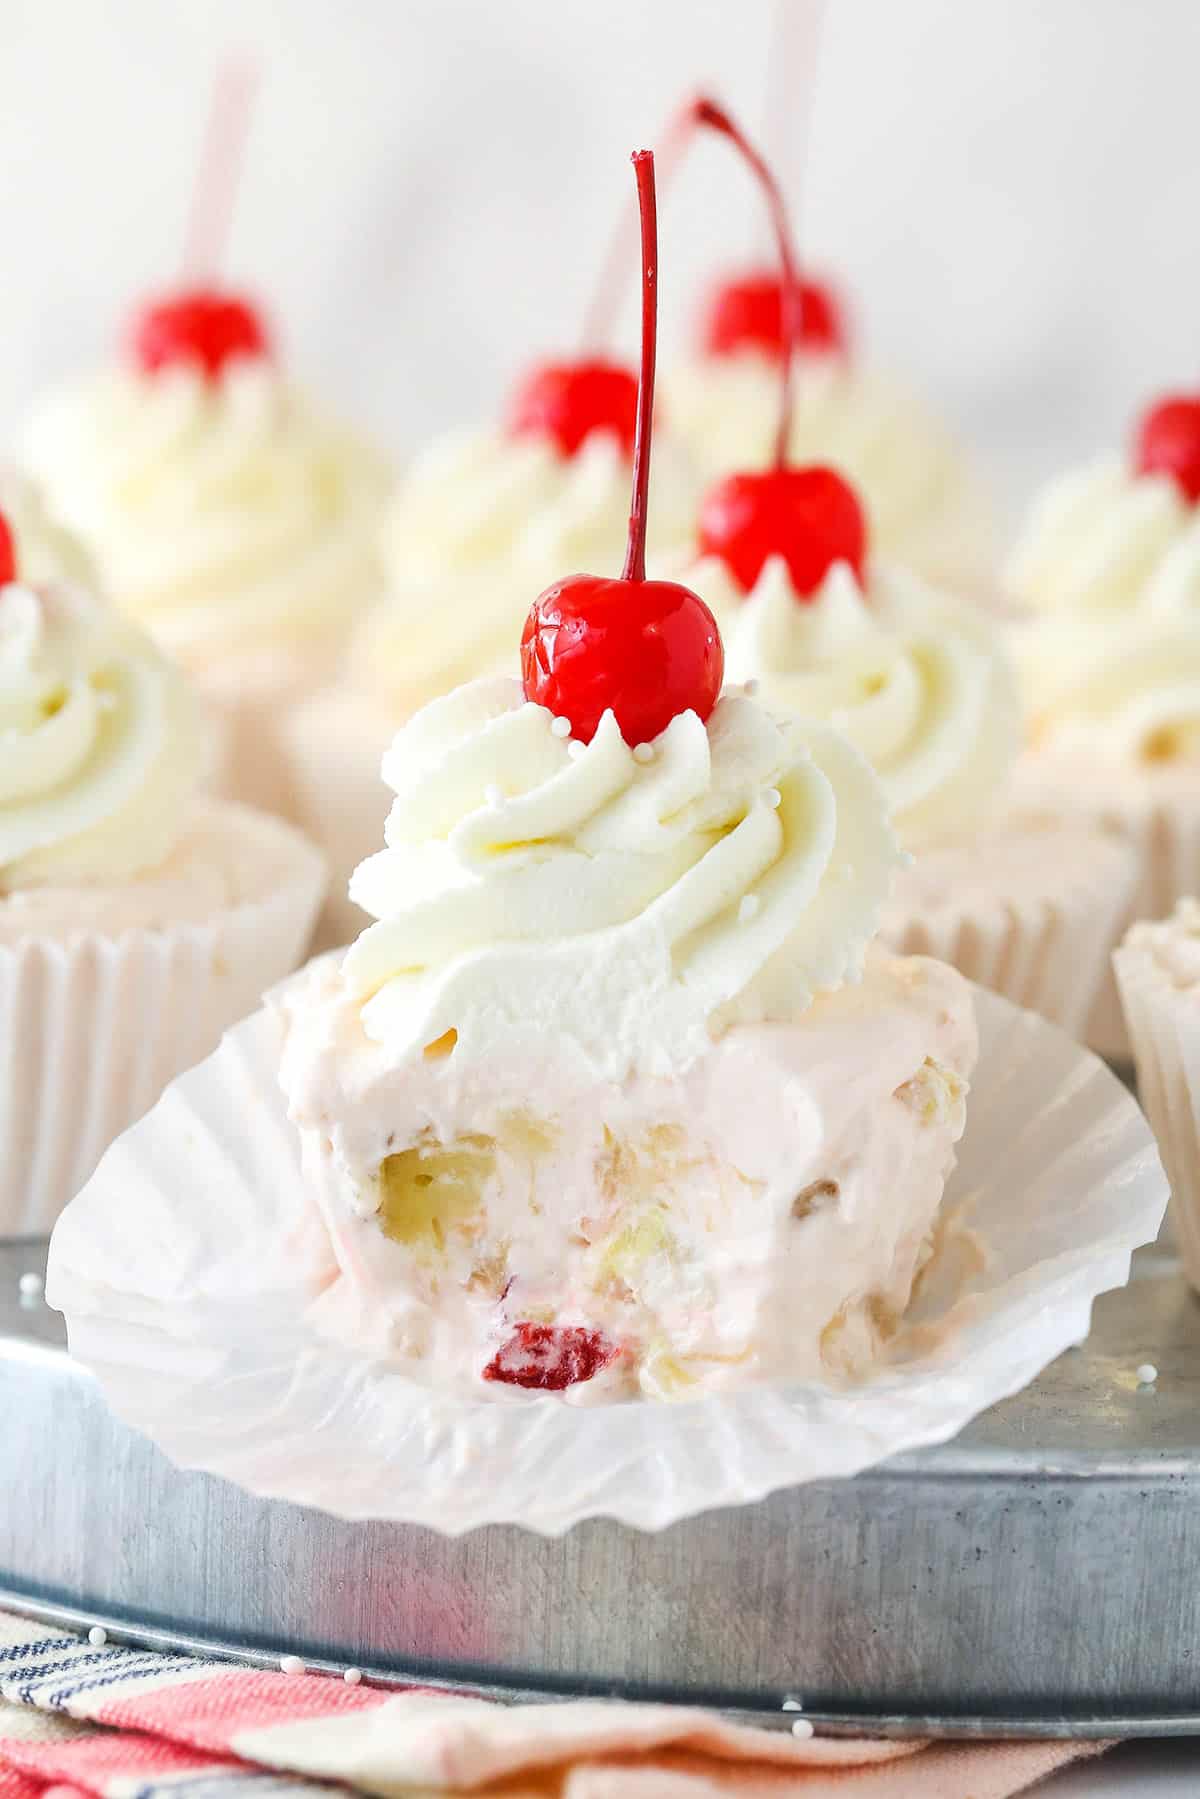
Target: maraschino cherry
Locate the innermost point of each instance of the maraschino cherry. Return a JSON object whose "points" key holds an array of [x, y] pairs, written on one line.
{"points": [[568, 401], [1168, 443], [8, 553], [646, 650], [201, 324], [809, 516], [747, 313]]}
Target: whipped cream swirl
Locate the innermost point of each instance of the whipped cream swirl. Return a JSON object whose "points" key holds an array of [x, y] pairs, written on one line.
{"points": [[632, 905], [101, 743], [45, 550], [226, 515], [918, 682], [923, 508], [518, 509], [1109, 565]]}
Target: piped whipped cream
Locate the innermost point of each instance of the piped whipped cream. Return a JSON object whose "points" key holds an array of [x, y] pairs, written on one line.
{"points": [[517, 507], [45, 550], [923, 507], [227, 515], [918, 682], [1109, 565], [1172, 945], [633, 907], [101, 743]]}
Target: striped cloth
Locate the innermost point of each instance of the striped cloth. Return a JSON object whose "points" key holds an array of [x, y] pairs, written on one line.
{"points": [[78, 1719]]}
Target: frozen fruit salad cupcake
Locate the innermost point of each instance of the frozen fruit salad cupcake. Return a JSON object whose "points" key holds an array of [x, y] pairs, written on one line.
{"points": [[1108, 566], [608, 1102], [227, 514], [137, 920], [1158, 976], [918, 679]]}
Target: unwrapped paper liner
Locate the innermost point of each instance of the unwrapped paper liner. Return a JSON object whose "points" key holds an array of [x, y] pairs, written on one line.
{"points": [[93, 1027], [1156, 810], [1164, 1031], [187, 1266], [1030, 912]]}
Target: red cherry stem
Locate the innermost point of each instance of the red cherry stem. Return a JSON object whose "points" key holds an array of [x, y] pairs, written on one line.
{"points": [[222, 156], [708, 113], [635, 555], [614, 270]]}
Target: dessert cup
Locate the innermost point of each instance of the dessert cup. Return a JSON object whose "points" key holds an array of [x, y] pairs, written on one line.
{"points": [[233, 521], [213, 1350], [922, 683], [137, 920], [1109, 569], [1158, 975]]}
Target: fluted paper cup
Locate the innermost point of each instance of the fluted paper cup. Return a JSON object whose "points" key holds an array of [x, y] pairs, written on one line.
{"points": [[191, 1284], [1032, 913], [334, 744], [1155, 808], [1162, 1011], [93, 1026]]}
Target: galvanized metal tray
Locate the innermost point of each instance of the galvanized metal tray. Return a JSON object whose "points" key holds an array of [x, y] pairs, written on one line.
{"points": [[1038, 1576]]}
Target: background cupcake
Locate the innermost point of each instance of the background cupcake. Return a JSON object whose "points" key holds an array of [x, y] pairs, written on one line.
{"points": [[225, 511], [137, 920], [1108, 567]]}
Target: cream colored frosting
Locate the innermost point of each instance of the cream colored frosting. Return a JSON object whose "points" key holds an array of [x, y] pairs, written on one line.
{"points": [[919, 682], [923, 507], [45, 550], [227, 515], [517, 508], [101, 743], [427, 637], [1109, 564], [632, 906]]}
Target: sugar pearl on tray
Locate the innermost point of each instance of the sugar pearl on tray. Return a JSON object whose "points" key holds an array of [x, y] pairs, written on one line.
{"points": [[290, 1664], [1147, 1374]]}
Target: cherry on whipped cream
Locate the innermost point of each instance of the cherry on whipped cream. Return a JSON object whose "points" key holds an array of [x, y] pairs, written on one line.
{"points": [[568, 401], [550, 1357], [8, 553], [646, 650], [199, 326], [809, 516], [747, 312], [1167, 442]]}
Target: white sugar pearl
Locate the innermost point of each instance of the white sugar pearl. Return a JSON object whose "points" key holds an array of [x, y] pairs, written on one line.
{"points": [[31, 1285], [561, 727], [290, 1664], [748, 907], [774, 798], [97, 1636], [792, 1705], [802, 1728], [1147, 1374], [575, 749], [353, 1677], [644, 752]]}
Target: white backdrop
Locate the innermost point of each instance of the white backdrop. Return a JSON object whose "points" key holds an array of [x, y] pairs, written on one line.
{"points": [[1006, 186]]}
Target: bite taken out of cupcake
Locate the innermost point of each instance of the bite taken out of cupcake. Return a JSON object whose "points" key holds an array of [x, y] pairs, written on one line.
{"points": [[1108, 569], [137, 919], [227, 513], [612, 1100], [916, 676]]}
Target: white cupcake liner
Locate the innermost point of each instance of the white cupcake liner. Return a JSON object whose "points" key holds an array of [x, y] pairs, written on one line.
{"points": [[189, 1280], [1157, 813], [1028, 912], [93, 1027], [334, 744], [1164, 1032]]}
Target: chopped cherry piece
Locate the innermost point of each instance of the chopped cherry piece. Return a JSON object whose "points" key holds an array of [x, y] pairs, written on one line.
{"points": [[646, 649], [569, 401], [809, 516], [201, 327], [1168, 443], [550, 1357], [748, 313], [8, 553]]}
